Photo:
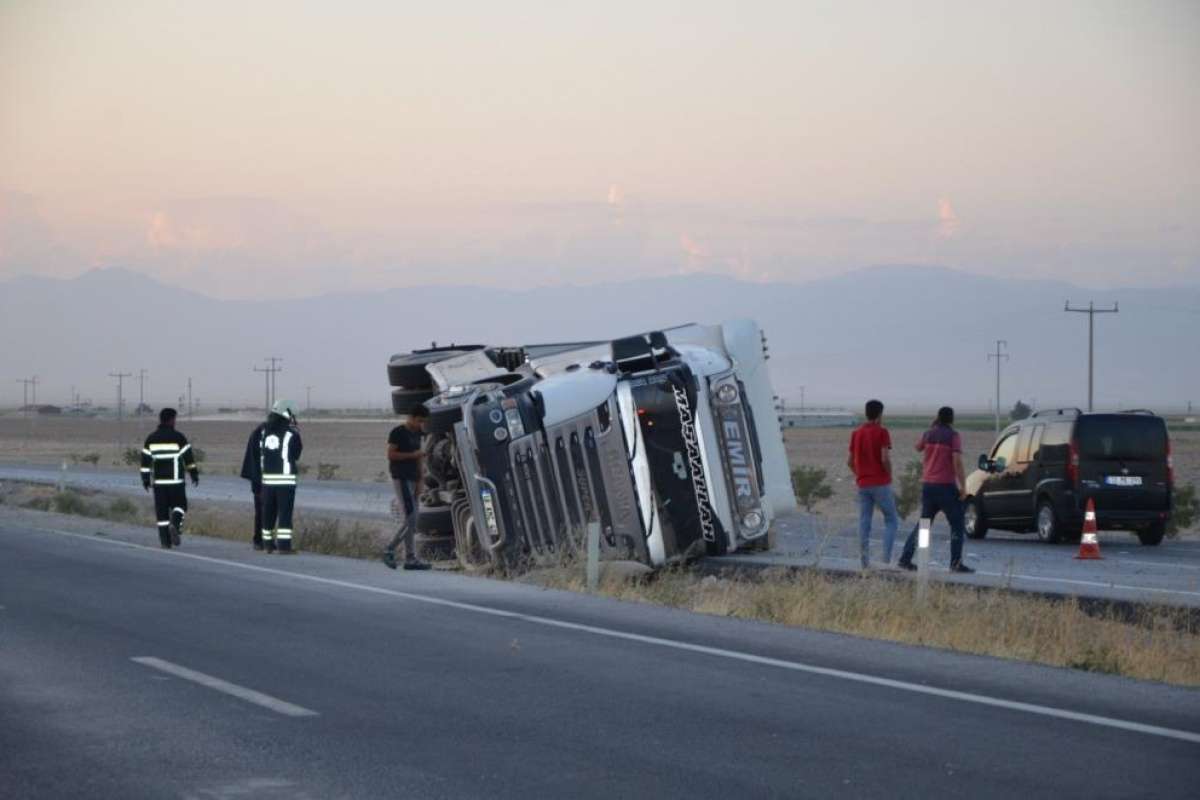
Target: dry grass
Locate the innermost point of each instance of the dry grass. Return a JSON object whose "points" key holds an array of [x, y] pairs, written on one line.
{"points": [[314, 534], [1162, 645]]}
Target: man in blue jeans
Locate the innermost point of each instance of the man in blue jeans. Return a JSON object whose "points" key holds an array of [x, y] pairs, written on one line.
{"points": [[404, 463], [870, 462], [943, 483]]}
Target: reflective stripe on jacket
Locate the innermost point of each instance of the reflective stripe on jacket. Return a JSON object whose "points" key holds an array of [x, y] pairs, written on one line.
{"points": [[279, 451], [165, 455]]}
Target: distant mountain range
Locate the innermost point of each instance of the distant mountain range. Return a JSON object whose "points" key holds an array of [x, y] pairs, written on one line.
{"points": [[913, 336]]}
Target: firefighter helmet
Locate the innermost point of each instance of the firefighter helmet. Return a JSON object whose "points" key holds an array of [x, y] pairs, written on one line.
{"points": [[284, 408]]}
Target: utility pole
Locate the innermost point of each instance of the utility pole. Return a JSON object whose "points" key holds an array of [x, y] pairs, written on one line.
{"points": [[999, 355], [120, 376], [1091, 311], [25, 384], [189, 398], [267, 386], [273, 369], [802, 400], [307, 399], [141, 391], [35, 383], [269, 378]]}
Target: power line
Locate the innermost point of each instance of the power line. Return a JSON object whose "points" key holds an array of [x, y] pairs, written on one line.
{"points": [[999, 355], [1091, 311]]}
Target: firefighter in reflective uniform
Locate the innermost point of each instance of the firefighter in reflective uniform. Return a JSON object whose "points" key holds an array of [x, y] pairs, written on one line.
{"points": [[279, 451], [166, 455]]}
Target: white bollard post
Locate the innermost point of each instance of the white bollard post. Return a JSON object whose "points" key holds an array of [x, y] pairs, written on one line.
{"points": [[62, 477], [923, 556], [593, 556]]}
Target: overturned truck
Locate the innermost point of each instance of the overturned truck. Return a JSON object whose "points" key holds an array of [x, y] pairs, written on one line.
{"points": [[668, 441]]}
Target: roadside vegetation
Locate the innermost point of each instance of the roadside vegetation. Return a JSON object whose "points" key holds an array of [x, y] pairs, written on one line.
{"points": [[314, 534], [1162, 644], [1158, 643], [811, 486], [1187, 508]]}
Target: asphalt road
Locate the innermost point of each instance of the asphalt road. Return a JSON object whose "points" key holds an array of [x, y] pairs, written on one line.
{"points": [[341, 497], [208, 672], [1169, 573]]}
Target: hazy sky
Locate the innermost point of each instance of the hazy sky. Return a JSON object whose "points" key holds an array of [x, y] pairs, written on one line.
{"points": [[237, 148]]}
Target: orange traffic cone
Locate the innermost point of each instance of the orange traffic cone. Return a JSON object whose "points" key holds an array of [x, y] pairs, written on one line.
{"points": [[1089, 545]]}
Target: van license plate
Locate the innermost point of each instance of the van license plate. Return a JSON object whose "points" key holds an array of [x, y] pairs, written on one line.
{"points": [[1123, 480]]}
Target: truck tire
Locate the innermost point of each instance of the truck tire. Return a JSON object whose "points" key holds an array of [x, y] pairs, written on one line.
{"points": [[404, 399], [973, 519], [408, 369], [1152, 536], [446, 409], [435, 520], [434, 547]]}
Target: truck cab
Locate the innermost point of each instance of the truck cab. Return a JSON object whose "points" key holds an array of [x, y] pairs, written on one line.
{"points": [[668, 441]]}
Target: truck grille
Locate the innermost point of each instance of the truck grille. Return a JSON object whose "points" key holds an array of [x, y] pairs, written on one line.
{"points": [[569, 477]]}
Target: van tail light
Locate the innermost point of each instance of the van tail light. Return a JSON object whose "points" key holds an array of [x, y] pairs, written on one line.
{"points": [[1073, 463], [1170, 466]]}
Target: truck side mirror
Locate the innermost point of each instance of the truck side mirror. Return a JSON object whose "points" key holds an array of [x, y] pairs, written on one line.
{"points": [[984, 464], [999, 464]]}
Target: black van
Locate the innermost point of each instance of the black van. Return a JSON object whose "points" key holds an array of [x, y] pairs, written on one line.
{"points": [[1042, 470]]}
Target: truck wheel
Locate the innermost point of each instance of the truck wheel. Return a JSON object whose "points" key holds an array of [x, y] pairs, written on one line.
{"points": [[446, 409], [973, 519], [1153, 535], [404, 399], [435, 519], [408, 369], [434, 547], [1048, 528]]}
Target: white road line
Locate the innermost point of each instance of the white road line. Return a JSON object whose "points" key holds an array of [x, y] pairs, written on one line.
{"points": [[1077, 582], [240, 692], [1171, 564], [675, 644]]}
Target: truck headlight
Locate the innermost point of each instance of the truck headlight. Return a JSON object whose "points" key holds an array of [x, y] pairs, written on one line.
{"points": [[727, 393], [752, 520]]}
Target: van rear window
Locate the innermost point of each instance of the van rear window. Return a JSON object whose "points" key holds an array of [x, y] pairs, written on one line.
{"points": [[1124, 438]]}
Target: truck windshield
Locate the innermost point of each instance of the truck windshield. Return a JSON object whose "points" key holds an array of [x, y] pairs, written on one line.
{"points": [[1122, 438]]}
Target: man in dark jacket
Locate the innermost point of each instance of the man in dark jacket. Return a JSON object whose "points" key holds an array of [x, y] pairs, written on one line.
{"points": [[279, 449], [404, 456], [166, 454], [252, 471]]}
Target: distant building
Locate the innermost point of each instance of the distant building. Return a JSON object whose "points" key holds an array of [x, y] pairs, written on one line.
{"points": [[817, 418], [49, 411]]}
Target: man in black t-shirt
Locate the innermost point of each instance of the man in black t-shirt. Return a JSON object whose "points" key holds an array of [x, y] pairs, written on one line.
{"points": [[404, 463]]}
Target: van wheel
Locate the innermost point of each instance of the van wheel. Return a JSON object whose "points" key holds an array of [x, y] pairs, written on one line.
{"points": [[974, 521], [1152, 535], [1048, 528]]}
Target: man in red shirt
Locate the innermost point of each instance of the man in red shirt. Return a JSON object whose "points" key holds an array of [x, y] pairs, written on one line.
{"points": [[871, 463]]}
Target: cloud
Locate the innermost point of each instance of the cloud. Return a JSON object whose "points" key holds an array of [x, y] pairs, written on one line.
{"points": [[947, 219]]}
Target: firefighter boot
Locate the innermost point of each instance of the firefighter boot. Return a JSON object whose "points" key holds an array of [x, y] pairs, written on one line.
{"points": [[164, 536], [176, 527]]}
